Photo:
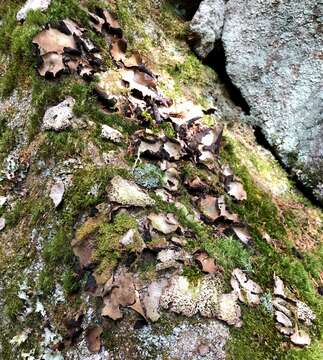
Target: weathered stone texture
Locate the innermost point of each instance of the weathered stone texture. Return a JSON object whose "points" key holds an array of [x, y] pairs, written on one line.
{"points": [[207, 25], [273, 55]]}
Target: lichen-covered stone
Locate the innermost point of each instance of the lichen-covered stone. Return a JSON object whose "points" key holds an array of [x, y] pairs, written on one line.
{"points": [[59, 117], [206, 26], [126, 192], [205, 298], [272, 51], [272, 55]]}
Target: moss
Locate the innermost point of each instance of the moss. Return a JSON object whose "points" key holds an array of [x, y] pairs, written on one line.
{"points": [[257, 339], [13, 305], [189, 72], [62, 145], [190, 171], [109, 249], [70, 282], [229, 253], [262, 215], [193, 273], [169, 130]]}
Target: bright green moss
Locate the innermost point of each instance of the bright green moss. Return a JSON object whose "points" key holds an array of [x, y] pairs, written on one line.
{"points": [[109, 248], [228, 253]]}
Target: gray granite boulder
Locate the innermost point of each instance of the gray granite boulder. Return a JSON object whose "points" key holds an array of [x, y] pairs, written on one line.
{"points": [[273, 55]]}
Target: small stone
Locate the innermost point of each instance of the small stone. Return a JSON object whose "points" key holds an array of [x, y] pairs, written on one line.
{"points": [[57, 193], [30, 5], [111, 134], [59, 117], [164, 223], [3, 200], [128, 238], [229, 310], [126, 192]]}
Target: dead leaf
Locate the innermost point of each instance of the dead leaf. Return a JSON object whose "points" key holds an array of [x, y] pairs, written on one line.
{"points": [[92, 336], [113, 25], [236, 190], [52, 40], [152, 298], [137, 306], [247, 290], [242, 233], [300, 338], [171, 179], [123, 293], [57, 192], [51, 63], [206, 262], [165, 224], [208, 205], [196, 184], [283, 319], [118, 49], [140, 82], [83, 251], [279, 288], [224, 213], [97, 22]]}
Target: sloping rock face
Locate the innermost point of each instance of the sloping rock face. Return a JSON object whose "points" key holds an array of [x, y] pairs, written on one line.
{"points": [[273, 56]]}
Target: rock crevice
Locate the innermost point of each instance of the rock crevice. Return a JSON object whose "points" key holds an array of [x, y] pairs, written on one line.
{"points": [[272, 56]]}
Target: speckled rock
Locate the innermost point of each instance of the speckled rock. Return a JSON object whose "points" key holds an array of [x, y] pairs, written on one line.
{"points": [[273, 56], [273, 53], [206, 26], [41, 5], [204, 298], [59, 117]]}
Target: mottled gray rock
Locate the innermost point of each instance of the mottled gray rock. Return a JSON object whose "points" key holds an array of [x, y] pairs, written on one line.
{"points": [[41, 5], [206, 26], [273, 56], [109, 133], [61, 116], [273, 53]]}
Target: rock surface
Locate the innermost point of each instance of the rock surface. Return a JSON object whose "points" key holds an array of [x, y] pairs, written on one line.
{"points": [[128, 193], [272, 54], [59, 117], [207, 25], [30, 5]]}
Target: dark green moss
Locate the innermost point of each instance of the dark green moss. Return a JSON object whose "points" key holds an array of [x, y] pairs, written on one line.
{"points": [[13, 305]]}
